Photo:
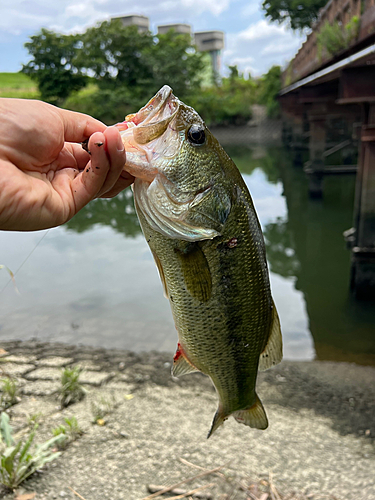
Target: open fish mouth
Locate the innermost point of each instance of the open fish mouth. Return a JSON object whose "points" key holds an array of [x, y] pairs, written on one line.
{"points": [[141, 132]]}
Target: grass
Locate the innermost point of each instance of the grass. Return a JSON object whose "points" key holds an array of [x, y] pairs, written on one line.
{"points": [[71, 390], [9, 393], [17, 85], [101, 408], [18, 460], [71, 431]]}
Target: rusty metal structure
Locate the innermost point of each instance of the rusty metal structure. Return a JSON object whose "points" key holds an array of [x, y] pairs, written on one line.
{"points": [[328, 105]]}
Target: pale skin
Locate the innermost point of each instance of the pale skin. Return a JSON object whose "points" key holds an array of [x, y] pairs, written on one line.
{"points": [[45, 175]]}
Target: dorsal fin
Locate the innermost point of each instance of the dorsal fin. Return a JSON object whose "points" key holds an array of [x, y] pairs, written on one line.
{"points": [[273, 352]]}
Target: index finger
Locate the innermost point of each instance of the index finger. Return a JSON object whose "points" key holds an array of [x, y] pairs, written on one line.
{"points": [[78, 126]]}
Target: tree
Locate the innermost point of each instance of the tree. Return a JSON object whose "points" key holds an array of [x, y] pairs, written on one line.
{"points": [[115, 55], [173, 60], [300, 14], [122, 57], [269, 87], [129, 67], [53, 65]]}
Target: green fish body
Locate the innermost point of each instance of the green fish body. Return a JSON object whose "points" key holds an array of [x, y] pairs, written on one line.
{"points": [[199, 220]]}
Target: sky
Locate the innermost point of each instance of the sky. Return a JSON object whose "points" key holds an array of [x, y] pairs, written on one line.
{"points": [[251, 42]]}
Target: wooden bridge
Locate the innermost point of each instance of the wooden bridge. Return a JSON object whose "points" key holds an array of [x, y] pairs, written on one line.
{"points": [[328, 106]]}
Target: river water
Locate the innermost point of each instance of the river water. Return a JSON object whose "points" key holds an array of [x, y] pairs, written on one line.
{"points": [[93, 281]]}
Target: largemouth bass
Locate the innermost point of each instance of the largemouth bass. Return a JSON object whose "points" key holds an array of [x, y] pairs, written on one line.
{"points": [[199, 220]]}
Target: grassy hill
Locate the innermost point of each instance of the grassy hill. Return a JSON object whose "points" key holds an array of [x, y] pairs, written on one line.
{"points": [[17, 85]]}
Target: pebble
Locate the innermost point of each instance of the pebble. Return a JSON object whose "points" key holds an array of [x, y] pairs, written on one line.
{"points": [[63, 494]]}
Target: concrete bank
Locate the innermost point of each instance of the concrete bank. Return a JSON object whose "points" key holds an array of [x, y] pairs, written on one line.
{"points": [[320, 442]]}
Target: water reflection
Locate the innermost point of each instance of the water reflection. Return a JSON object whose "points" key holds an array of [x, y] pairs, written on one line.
{"points": [[308, 244], [280, 249], [343, 329], [118, 213], [94, 282]]}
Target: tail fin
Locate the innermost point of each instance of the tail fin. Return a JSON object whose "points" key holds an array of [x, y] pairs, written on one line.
{"points": [[218, 420], [254, 416]]}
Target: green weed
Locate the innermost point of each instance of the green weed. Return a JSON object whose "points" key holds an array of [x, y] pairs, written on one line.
{"points": [[101, 408], [333, 37], [71, 431], [71, 389], [34, 419], [17, 461], [9, 392]]}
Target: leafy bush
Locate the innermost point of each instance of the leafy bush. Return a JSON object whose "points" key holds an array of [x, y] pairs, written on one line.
{"points": [[16, 460], [227, 104], [109, 106]]}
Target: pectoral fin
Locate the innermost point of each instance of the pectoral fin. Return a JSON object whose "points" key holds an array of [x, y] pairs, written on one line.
{"points": [[273, 352], [161, 274], [196, 271]]}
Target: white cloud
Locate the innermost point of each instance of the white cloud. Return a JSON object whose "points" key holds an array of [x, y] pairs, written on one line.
{"points": [[261, 30], [77, 9], [280, 48], [260, 46], [19, 15]]}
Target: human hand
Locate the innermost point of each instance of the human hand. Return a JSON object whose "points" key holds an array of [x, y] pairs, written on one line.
{"points": [[45, 175]]}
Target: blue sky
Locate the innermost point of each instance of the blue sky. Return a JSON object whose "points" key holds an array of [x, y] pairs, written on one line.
{"points": [[252, 43]]}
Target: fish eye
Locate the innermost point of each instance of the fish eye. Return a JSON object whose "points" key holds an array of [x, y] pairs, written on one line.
{"points": [[196, 135]]}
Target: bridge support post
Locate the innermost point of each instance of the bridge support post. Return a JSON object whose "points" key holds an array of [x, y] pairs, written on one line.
{"points": [[363, 251], [315, 166], [297, 145]]}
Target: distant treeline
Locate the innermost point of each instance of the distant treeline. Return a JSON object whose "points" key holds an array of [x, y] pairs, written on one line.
{"points": [[111, 70]]}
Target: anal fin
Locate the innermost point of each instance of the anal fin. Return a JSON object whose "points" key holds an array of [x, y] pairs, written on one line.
{"points": [[273, 352], [253, 417]]}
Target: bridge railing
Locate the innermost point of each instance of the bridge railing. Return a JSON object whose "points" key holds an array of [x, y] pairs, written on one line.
{"points": [[345, 23]]}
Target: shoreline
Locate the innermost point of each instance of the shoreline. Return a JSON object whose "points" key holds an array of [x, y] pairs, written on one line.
{"points": [[320, 440]]}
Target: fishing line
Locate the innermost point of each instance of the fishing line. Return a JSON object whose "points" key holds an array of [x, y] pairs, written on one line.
{"points": [[26, 259]]}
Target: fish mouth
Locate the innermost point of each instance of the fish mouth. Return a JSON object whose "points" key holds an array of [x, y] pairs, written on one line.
{"points": [[160, 104], [140, 133]]}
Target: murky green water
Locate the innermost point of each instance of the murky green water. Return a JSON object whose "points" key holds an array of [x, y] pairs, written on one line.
{"points": [[94, 282]]}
